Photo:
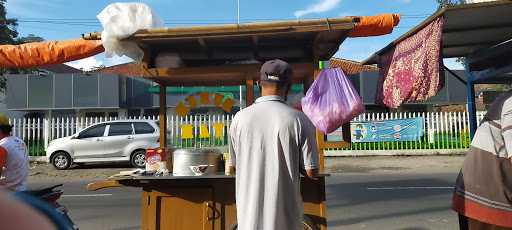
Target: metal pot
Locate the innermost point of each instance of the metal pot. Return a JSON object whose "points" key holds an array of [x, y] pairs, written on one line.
{"points": [[184, 158]]}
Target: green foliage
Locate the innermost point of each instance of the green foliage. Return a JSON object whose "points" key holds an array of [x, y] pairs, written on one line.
{"points": [[9, 36], [448, 3], [440, 140], [8, 31], [502, 88], [27, 39]]}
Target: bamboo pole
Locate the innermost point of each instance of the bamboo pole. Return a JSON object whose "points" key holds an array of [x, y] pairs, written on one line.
{"points": [[249, 92], [291, 25], [162, 117]]}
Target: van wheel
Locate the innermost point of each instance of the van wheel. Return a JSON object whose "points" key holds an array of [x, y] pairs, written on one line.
{"points": [[61, 160], [138, 159]]}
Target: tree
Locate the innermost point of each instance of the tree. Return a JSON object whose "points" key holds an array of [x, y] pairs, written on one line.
{"points": [[27, 39], [9, 36], [447, 3], [7, 26]]}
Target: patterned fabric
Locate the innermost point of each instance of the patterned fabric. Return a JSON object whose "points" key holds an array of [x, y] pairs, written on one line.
{"points": [[483, 190], [411, 70]]}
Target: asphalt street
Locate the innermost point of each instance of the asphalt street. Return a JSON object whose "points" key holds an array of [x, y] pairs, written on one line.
{"points": [[401, 201]]}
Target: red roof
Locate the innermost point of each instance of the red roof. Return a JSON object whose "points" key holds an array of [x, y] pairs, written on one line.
{"points": [[352, 67], [135, 69], [60, 68]]}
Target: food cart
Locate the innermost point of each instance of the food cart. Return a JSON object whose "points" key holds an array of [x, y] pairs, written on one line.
{"points": [[227, 55]]}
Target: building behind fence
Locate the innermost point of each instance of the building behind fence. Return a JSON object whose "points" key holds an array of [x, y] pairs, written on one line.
{"points": [[443, 130]]}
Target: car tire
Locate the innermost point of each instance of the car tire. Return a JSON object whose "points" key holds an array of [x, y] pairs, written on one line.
{"points": [[61, 160], [138, 159]]}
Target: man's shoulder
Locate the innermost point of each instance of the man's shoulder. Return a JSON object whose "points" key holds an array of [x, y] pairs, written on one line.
{"points": [[280, 110]]}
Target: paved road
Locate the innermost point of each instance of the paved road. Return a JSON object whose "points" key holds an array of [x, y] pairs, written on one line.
{"points": [[391, 201], [401, 201]]}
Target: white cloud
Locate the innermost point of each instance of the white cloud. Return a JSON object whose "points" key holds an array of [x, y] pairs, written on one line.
{"points": [[348, 13], [320, 7], [86, 64]]}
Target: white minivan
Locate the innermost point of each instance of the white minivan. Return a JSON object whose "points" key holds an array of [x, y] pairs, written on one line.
{"points": [[112, 141]]}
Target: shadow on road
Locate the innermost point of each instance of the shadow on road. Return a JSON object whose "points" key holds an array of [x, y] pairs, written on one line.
{"points": [[99, 166], [387, 199], [356, 220], [414, 228], [347, 197]]}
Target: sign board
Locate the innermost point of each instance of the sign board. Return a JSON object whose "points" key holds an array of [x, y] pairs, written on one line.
{"points": [[390, 130], [337, 135]]}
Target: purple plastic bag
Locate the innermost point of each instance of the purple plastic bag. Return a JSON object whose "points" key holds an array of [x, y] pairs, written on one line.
{"points": [[331, 101]]}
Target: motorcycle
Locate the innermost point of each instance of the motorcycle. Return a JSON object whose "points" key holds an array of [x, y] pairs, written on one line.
{"points": [[51, 195]]}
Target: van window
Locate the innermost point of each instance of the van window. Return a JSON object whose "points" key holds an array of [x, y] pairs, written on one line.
{"points": [[143, 128], [95, 131], [119, 129]]}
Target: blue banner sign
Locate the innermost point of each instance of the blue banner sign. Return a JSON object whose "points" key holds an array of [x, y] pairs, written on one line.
{"points": [[337, 135], [390, 130]]}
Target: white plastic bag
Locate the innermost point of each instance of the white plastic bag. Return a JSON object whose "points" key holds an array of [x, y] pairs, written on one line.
{"points": [[121, 20]]}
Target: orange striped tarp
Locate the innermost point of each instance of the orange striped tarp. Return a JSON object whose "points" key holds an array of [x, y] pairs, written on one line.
{"points": [[47, 53]]}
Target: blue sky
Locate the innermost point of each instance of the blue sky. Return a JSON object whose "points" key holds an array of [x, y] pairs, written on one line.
{"points": [[66, 19]]}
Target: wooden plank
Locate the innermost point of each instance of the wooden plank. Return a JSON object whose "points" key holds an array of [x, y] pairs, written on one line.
{"points": [[319, 135], [313, 195], [185, 208], [103, 184], [247, 29], [265, 26], [215, 71], [249, 92], [145, 209], [217, 75], [335, 144], [163, 117]]}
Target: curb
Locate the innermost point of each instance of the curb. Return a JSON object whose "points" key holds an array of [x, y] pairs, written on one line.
{"points": [[364, 153], [353, 153], [41, 159]]}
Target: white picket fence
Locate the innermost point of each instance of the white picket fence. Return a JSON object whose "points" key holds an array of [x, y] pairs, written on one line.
{"points": [[443, 130], [38, 132]]}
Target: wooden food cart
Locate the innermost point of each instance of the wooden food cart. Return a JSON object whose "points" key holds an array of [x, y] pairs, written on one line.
{"points": [[227, 55]]}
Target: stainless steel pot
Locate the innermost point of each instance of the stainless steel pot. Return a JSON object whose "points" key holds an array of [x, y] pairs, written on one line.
{"points": [[184, 158]]}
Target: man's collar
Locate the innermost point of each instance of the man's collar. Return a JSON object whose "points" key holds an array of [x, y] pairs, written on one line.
{"points": [[269, 98]]}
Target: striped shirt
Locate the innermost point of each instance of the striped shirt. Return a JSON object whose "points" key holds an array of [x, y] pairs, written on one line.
{"points": [[483, 189]]}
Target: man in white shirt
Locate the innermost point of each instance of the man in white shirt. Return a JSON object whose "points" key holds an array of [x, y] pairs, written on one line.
{"points": [[14, 162], [271, 144]]}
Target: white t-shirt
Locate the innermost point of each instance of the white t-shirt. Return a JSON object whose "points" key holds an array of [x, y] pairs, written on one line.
{"points": [[15, 173], [270, 141]]}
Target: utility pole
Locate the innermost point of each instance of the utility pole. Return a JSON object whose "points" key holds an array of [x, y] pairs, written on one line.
{"points": [[237, 11], [238, 23]]}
